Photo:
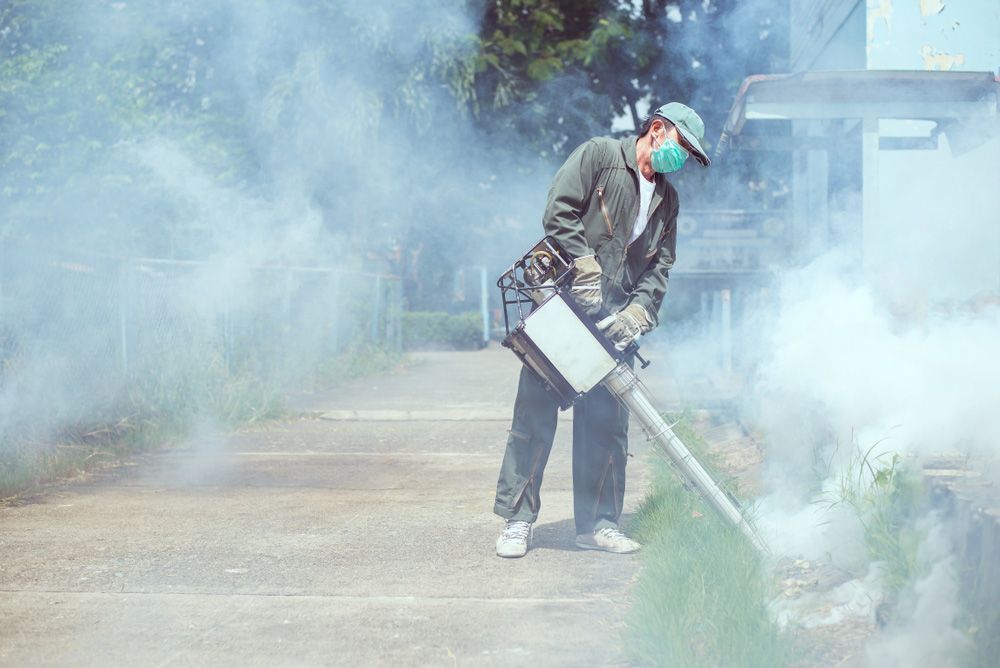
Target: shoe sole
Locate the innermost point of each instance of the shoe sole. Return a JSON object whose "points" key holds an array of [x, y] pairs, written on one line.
{"points": [[511, 556], [588, 546]]}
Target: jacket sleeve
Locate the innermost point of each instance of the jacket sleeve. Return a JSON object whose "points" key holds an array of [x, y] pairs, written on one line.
{"points": [[652, 284], [568, 199]]}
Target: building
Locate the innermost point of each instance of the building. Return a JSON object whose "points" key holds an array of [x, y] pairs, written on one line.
{"points": [[895, 141], [922, 149]]}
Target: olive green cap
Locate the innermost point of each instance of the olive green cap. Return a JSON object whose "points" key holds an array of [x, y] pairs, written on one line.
{"points": [[689, 124]]}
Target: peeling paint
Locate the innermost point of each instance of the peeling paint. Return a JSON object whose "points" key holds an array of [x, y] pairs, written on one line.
{"points": [[931, 7], [940, 61], [878, 9]]}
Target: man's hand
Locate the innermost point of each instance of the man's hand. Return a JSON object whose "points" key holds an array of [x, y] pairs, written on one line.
{"points": [[626, 326], [587, 283]]}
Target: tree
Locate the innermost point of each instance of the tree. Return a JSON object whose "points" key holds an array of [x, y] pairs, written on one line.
{"points": [[556, 72], [388, 120], [525, 73]]}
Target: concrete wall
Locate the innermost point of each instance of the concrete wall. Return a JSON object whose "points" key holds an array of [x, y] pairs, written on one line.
{"points": [[826, 35], [916, 196], [933, 35], [925, 222]]}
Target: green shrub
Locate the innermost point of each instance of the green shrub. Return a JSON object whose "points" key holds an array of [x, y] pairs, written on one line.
{"points": [[357, 361], [424, 330]]}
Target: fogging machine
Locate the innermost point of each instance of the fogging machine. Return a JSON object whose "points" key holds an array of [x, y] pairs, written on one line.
{"points": [[556, 339]]}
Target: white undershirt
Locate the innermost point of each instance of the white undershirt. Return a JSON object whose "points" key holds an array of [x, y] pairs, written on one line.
{"points": [[646, 189]]}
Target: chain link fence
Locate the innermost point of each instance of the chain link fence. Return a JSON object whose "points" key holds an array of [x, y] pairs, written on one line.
{"points": [[86, 338]]}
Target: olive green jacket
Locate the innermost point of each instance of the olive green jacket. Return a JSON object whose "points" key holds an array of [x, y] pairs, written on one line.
{"points": [[591, 209]]}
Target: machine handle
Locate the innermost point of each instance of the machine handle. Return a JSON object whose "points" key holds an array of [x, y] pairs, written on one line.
{"points": [[633, 347]]}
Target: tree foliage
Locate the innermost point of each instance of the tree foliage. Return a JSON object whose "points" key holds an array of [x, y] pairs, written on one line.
{"points": [[260, 94], [558, 71], [528, 73]]}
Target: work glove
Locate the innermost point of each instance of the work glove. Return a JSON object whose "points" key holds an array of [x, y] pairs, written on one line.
{"points": [[586, 288], [626, 326]]}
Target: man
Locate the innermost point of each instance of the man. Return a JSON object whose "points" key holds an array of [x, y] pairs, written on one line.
{"points": [[613, 210]]}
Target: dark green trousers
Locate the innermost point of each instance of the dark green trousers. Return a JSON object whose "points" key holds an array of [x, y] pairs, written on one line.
{"points": [[600, 448]]}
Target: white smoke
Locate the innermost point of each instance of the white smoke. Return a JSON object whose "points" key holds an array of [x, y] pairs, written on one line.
{"points": [[926, 633], [842, 369]]}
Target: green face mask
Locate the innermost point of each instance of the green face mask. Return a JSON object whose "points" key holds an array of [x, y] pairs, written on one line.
{"points": [[669, 157]]}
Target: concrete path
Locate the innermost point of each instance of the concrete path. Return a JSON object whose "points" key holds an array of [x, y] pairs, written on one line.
{"points": [[361, 537]]}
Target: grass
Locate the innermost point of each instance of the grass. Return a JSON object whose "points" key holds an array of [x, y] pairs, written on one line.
{"points": [[358, 361], [701, 598], [887, 497], [27, 463], [160, 405]]}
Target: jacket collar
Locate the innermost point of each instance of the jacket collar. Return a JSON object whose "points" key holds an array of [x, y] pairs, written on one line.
{"points": [[628, 146], [629, 152]]}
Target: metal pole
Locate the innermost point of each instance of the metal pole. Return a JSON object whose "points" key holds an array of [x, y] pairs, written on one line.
{"points": [[870, 204], [398, 333], [484, 304], [227, 337], [716, 320], [3, 259], [706, 313], [287, 306], [335, 334], [390, 312], [727, 331], [123, 295], [623, 383], [376, 309]]}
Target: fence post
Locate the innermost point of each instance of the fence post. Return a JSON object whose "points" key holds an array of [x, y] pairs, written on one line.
{"points": [[335, 334], [227, 338], [706, 313], [124, 291], [727, 330], [3, 263], [376, 310], [484, 304], [287, 305], [394, 314], [398, 333]]}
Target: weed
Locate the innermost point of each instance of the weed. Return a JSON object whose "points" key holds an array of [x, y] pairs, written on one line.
{"points": [[28, 462], [701, 599], [886, 496], [160, 403]]}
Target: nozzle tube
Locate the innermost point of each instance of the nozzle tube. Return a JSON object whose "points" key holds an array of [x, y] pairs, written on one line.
{"points": [[626, 386]]}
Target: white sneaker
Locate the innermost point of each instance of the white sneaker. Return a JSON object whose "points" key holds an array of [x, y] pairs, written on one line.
{"points": [[514, 540], [608, 539]]}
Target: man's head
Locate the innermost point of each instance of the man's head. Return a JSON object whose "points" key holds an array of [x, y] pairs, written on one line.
{"points": [[677, 122]]}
